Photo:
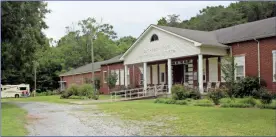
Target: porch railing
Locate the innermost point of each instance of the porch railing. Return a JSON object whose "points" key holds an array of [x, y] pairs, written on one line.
{"points": [[137, 93]]}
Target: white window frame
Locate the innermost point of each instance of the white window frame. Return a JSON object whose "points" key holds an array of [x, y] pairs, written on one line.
{"points": [[104, 76], [240, 65], [273, 64]]}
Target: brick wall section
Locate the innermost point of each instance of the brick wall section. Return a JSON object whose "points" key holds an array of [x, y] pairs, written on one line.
{"points": [[78, 79], [249, 49], [104, 87]]}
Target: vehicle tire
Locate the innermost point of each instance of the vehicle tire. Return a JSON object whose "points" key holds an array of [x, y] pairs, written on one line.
{"points": [[16, 96]]}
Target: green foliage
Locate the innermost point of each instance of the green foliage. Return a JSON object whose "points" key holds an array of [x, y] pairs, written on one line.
{"points": [[179, 92], [226, 100], [22, 23], [236, 105], [86, 89], [97, 83], [194, 94], [266, 97], [249, 100], [216, 95], [181, 102], [204, 102], [111, 80], [267, 106], [216, 17], [228, 69], [246, 86], [76, 97]]}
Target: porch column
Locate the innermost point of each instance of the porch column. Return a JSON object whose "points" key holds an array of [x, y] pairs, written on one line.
{"points": [[126, 76], [200, 73], [169, 75], [145, 75]]}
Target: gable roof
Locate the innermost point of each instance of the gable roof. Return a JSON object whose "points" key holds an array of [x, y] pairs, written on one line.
{"points": [[203, 37], [88, 67]]}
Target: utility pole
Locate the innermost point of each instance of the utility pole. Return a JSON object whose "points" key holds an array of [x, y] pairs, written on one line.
{"points": [[92, 59], [35, 77]]}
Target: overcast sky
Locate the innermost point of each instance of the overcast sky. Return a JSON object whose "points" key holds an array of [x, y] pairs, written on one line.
{"points": [[127, 17]]}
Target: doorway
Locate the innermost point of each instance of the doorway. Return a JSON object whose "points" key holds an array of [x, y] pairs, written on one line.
{"points": [[178, 74]]}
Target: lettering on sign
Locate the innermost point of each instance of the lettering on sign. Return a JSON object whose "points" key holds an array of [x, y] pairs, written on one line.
{"points": [[158, 52]]}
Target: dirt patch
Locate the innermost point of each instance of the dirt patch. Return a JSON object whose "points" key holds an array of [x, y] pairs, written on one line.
{"points": [[31, 118]]}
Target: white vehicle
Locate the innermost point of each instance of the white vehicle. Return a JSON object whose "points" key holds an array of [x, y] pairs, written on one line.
{"points": [[14, 90]]}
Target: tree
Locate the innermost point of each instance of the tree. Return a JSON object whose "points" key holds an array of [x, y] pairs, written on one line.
{"points": [[228, 67], [22, 24], [111, 80]]}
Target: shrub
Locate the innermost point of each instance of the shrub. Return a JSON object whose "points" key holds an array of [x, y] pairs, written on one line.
{"points": [[85, 90], [267, 106], [65, 95], [76, 97], [204, 102], [194, 94], [179, 92], [181, 102], [249, 100], [73, 90], [236, 105], [266, 97], [170, 101], [216, 95], [189, 99], [226, 100], [246, 86]]}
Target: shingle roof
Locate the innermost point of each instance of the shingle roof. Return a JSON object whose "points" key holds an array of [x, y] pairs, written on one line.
{"points": [[88, 67], [204, 37], [248, 31]]}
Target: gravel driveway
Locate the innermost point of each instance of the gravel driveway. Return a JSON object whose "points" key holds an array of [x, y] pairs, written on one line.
{"points": [[47, 119]]}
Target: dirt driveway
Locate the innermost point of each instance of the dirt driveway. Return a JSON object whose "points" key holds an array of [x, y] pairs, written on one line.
{"points": [[48, 119]]}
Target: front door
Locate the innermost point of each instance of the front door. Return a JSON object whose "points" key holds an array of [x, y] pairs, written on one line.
{"points": [[178, 73]]}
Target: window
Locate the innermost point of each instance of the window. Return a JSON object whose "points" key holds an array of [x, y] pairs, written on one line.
{"points": [[274, 65], [154, 37], [240, 68], [162, 77], [141, 78], [22, 88], [104, 76]]}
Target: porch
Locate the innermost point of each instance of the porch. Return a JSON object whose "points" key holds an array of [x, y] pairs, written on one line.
{"points": [[192, 71]]}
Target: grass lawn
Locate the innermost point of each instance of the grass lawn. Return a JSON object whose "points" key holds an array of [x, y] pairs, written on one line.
{"points": [[196, 120], [50, 99], [13, 120]]}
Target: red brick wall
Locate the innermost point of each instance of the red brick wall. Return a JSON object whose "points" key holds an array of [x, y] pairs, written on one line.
{"points": [[249, 49], [120, 66], [78, 79]]}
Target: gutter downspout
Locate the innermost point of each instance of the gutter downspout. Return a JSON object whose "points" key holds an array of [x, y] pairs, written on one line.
{"points": [[259, 70]]}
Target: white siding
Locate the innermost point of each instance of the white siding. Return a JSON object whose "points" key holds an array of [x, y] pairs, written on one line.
{"points": [[213, 69], [154, 74], [168, 46]]}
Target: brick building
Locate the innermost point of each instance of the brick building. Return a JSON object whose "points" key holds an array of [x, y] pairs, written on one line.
{"points": [[168, 55]]}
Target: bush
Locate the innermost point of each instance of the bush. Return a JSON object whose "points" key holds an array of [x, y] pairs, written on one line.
{"points": [[204, 102], [179, 92], [236, 105], [76, 97], [226, 100], [73, 90], [216, 95], [85, 90], [194, 94], [65, 95], [249, 100], [170, 101], [246, 86], [266, 97], [181, 102], [267, 106]]}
